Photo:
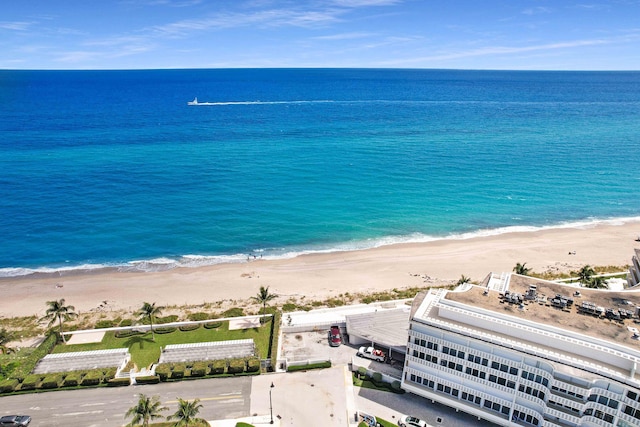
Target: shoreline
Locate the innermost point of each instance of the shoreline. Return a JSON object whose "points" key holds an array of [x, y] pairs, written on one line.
{"points": [[162, 264], [321, 275]]}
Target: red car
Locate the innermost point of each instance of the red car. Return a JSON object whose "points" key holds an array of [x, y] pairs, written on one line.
{"points": [[335, 339]]}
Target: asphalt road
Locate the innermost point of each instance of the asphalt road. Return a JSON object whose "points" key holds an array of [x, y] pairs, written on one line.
{"points": [[221, 398]]}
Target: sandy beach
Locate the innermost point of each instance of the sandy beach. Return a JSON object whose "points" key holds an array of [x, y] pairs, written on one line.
{"points": [[319, 276]]}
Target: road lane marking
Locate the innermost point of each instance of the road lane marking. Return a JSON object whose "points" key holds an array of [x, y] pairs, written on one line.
{"points": [[74, 414], [92, 404], [204, 399]]}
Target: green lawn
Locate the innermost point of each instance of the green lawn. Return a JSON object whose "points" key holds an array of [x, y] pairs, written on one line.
{"points": [[144, 351]]}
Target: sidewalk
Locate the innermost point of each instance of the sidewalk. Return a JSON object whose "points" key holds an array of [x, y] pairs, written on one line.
{"points": [[257, 421]]}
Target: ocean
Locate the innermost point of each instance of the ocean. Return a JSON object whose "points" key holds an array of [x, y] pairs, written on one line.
{"points": [[112, 169]]}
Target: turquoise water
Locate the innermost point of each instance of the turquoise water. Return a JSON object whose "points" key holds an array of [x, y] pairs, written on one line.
{"points": [[113, 168]]}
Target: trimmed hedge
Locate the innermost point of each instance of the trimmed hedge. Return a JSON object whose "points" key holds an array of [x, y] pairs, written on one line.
{"points": [[163, 371], [126, 322], [119, 382], [236, 366], [8, 385], [217, 367], [93, 377], [212, 325], [275, 332], [187, 328], [30, 382], [109, 373], [150, 379], [199, 369], [128, 333], [178, 371], [253, 365], [319, 365], [51, 381], [164, 330], [72, 379], [29, 362]]}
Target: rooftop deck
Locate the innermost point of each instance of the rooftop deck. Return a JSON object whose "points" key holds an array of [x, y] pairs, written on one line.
{"points": [[570, 318]]}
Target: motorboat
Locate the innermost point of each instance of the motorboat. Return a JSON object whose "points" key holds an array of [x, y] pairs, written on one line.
{"points": [[194, 102]]}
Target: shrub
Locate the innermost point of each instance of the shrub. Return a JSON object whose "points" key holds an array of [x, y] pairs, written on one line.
{"points": [[396, 387], [233, 312], [199, 316], [29, 362], [118, 382], [187, 328], [273, 343], [166, 319], [253, 364], [109, 373], [165, 330], [376, 378], [150, 379], [199, 369], [217, 367], [127, 334], [93, 377], [362, 372], [163, 371], [212, 325], [235, 366], [30, 382], [177, 371], [288, 306], [319, 365], [126, 322], [101, 324], [51, 381], [72, 379], [8, 385]]}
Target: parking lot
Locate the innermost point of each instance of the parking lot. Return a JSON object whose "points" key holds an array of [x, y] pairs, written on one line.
{"points": [[314, 346]]}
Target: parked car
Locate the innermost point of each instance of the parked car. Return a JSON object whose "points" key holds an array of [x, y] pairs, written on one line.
{"points": [[371, 353], [15, 420], [409, 421], [335, 339]]}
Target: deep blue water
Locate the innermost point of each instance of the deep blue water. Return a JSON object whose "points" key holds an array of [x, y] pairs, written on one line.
{"points": [[112, 167]]}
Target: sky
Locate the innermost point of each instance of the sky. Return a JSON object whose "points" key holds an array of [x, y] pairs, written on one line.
{"points": [[452, 34]]}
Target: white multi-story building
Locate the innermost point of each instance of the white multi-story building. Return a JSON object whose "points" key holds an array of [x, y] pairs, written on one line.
{"points": [[633, 277], [520, 351]]}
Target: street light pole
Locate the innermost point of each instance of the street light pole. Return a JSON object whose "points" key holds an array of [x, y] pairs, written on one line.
{"points": [[270, 402]]}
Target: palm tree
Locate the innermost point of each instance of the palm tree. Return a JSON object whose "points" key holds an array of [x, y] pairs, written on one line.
{"points": [[521, 269], [264, 297], [463, 280], [5, 337], [585, 273], [147, 409], [597, 283], [58, 311], [187, 413], [148, 311]]}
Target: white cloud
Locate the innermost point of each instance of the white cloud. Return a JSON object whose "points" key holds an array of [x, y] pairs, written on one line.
{"points": [[344, 36], [365, 3], [15, 25], [536, 10]]}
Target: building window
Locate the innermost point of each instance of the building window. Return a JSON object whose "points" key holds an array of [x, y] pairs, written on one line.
{"points": [[495, 365], [513, 371]]}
